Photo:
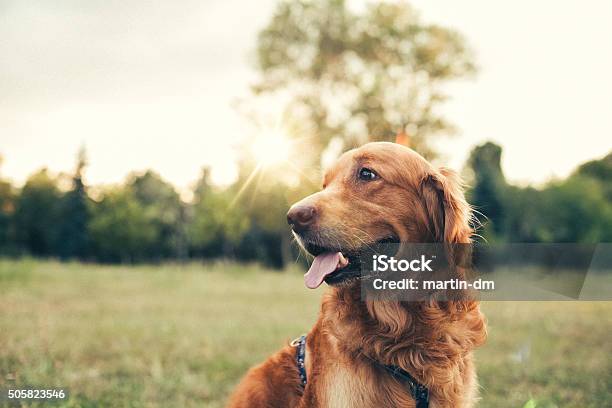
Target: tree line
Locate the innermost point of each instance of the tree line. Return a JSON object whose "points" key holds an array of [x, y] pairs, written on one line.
{"points": [[575, 209], [144, 219]]}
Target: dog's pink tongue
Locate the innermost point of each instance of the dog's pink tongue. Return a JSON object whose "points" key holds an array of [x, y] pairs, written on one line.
{"points": [[323, 265]]}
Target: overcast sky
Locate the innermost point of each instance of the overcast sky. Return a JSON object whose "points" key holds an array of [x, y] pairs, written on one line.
{"points": [[152, 84]]}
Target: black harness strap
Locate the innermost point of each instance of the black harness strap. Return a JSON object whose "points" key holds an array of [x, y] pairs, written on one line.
{"points": [[419, 392], [300, 357]]}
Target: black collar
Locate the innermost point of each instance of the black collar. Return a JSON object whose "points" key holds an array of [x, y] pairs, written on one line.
{"points": [[419, 392]]}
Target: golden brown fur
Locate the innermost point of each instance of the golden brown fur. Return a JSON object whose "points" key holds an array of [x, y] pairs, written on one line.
{"points": [[432, 340]]}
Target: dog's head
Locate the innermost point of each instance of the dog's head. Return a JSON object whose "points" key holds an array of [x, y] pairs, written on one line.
{"points": [[380, 192]]}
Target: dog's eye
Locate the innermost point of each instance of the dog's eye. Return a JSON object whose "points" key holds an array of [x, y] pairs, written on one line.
{"points": [[366, 174]]}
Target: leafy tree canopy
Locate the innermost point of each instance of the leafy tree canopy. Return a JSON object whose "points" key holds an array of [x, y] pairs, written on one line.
{"points": [[361, 76], [36, 214]]}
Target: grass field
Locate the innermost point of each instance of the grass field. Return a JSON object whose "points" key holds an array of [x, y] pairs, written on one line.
{"points": [[182, 336]]}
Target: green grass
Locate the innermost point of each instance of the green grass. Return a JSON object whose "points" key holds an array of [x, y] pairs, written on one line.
{"points": [[184, 335]]}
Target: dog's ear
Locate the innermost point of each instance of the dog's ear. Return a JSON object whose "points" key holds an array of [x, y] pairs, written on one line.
{"points": [[447, 211], [449, 217]]}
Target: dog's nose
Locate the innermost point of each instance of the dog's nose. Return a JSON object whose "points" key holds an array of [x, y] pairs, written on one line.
{"points": [[301, 216]]}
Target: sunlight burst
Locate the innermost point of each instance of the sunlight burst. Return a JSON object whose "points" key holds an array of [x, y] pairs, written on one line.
{"points": [[271, 148]]}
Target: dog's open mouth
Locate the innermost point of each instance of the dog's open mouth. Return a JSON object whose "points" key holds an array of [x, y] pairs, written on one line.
{"points": [[334, 266], [326, 264]]}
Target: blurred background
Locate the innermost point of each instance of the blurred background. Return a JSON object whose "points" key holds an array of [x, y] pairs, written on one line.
{"points": [[149, 153]]}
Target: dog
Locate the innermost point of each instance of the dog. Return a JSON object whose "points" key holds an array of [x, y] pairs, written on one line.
{"points": [[357, 349]]}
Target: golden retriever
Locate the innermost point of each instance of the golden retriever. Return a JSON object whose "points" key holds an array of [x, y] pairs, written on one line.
{"points": [[374, 193]]}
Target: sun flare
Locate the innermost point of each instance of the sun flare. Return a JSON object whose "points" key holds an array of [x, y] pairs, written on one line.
{"points": [[271, 148]]}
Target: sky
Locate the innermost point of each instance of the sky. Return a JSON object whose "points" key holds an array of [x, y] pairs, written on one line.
{"points": [[155, 84]]}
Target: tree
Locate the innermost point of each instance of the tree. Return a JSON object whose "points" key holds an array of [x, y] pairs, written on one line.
{"points": [[600, 171], [74, 214], [360, 76], [7, 208], [576, 210], [488, 194], [36, 214], [119, 228], [163, 209], [216, 224], [265, 203], [522, 218]]}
